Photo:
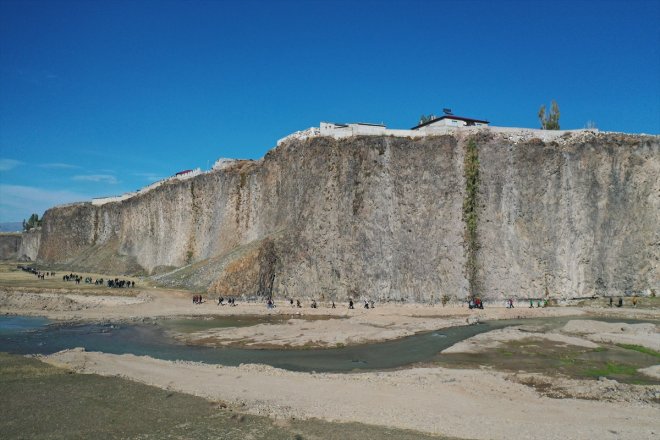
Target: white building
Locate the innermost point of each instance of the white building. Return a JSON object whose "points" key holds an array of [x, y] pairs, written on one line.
{"points": [[351, 129], [450, 120], [435, 126]]}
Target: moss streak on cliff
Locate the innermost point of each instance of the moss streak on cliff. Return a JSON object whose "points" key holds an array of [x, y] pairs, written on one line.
{"points": [[471, 173], [195, 211], [96, 227]]}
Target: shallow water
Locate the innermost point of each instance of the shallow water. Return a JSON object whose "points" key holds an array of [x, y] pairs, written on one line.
{"points": [[154, 340], [22, 335], [15, 324]]}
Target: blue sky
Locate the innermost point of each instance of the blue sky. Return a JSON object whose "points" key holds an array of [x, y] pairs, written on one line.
{"points": [[99, 98]]}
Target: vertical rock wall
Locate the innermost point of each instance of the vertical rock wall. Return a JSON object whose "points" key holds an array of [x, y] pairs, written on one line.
{"points": [[382, 217], [574, 217], [20, 246], [10, 243], [29, 247]]}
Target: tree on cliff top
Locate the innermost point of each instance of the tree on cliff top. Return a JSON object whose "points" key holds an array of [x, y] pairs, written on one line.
{"points": [[426, 118], [32, 222], [549, 121]]}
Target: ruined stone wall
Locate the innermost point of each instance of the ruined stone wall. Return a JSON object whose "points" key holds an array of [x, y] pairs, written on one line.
{"points": [[382, 217]]}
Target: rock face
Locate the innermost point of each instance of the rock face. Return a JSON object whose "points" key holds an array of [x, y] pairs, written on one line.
{"points": [[29, 247], [20, 246], [383, 218], [9, 245]]}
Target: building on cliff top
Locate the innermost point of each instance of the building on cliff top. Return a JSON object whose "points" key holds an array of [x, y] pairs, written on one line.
{"points": [[447, 122], [450, 120]]}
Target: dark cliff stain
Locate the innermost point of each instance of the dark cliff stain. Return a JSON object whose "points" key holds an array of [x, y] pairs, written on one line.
{"points": [[470, 216], [195, 210], [267, 263], [96, 227]]}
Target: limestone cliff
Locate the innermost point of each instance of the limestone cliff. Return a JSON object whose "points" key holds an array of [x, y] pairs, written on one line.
{"points": [[20, 246], [384, 218], [10, 243], [29, 247]]}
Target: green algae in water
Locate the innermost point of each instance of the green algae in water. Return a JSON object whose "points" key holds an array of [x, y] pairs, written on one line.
{"points": [[612, 369], [553, 358], [640, 349]]}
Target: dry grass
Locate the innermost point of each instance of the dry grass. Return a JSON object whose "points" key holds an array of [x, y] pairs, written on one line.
{"points": [[13, 278]]}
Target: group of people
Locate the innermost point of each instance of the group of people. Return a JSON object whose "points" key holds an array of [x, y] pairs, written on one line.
{"points": [[475, 303], [72, 277], [314, 305], [620, 302], [539, 303], [37, 273], [230, 302], [117, 283]]}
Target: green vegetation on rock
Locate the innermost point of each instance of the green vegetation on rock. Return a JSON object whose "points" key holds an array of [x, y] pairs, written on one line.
{"points": [[470, 218]]}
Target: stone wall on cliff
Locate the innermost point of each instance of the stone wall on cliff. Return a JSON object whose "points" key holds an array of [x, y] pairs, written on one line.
{"points": [[382, 217]]}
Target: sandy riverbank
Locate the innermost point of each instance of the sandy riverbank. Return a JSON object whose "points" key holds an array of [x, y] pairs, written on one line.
{"points": [[477, 404], [580, 333], [433, 400], [385, 322]]}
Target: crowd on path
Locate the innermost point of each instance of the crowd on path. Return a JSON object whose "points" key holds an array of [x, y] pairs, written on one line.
{"points": [[294, 303], [619, 303], [231, 301], [77, 279], [39, 274], [472, 303]]}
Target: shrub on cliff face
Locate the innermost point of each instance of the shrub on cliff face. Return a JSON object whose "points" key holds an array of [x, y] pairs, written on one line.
{"points": [[549, 121]]}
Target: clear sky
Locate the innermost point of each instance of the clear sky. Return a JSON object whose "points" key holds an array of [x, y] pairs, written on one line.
{"points": [[102, 97]]}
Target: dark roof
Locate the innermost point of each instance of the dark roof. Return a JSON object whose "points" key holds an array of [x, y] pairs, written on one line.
{"points": [[339, 124], [370, 124], [460, 118]]}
